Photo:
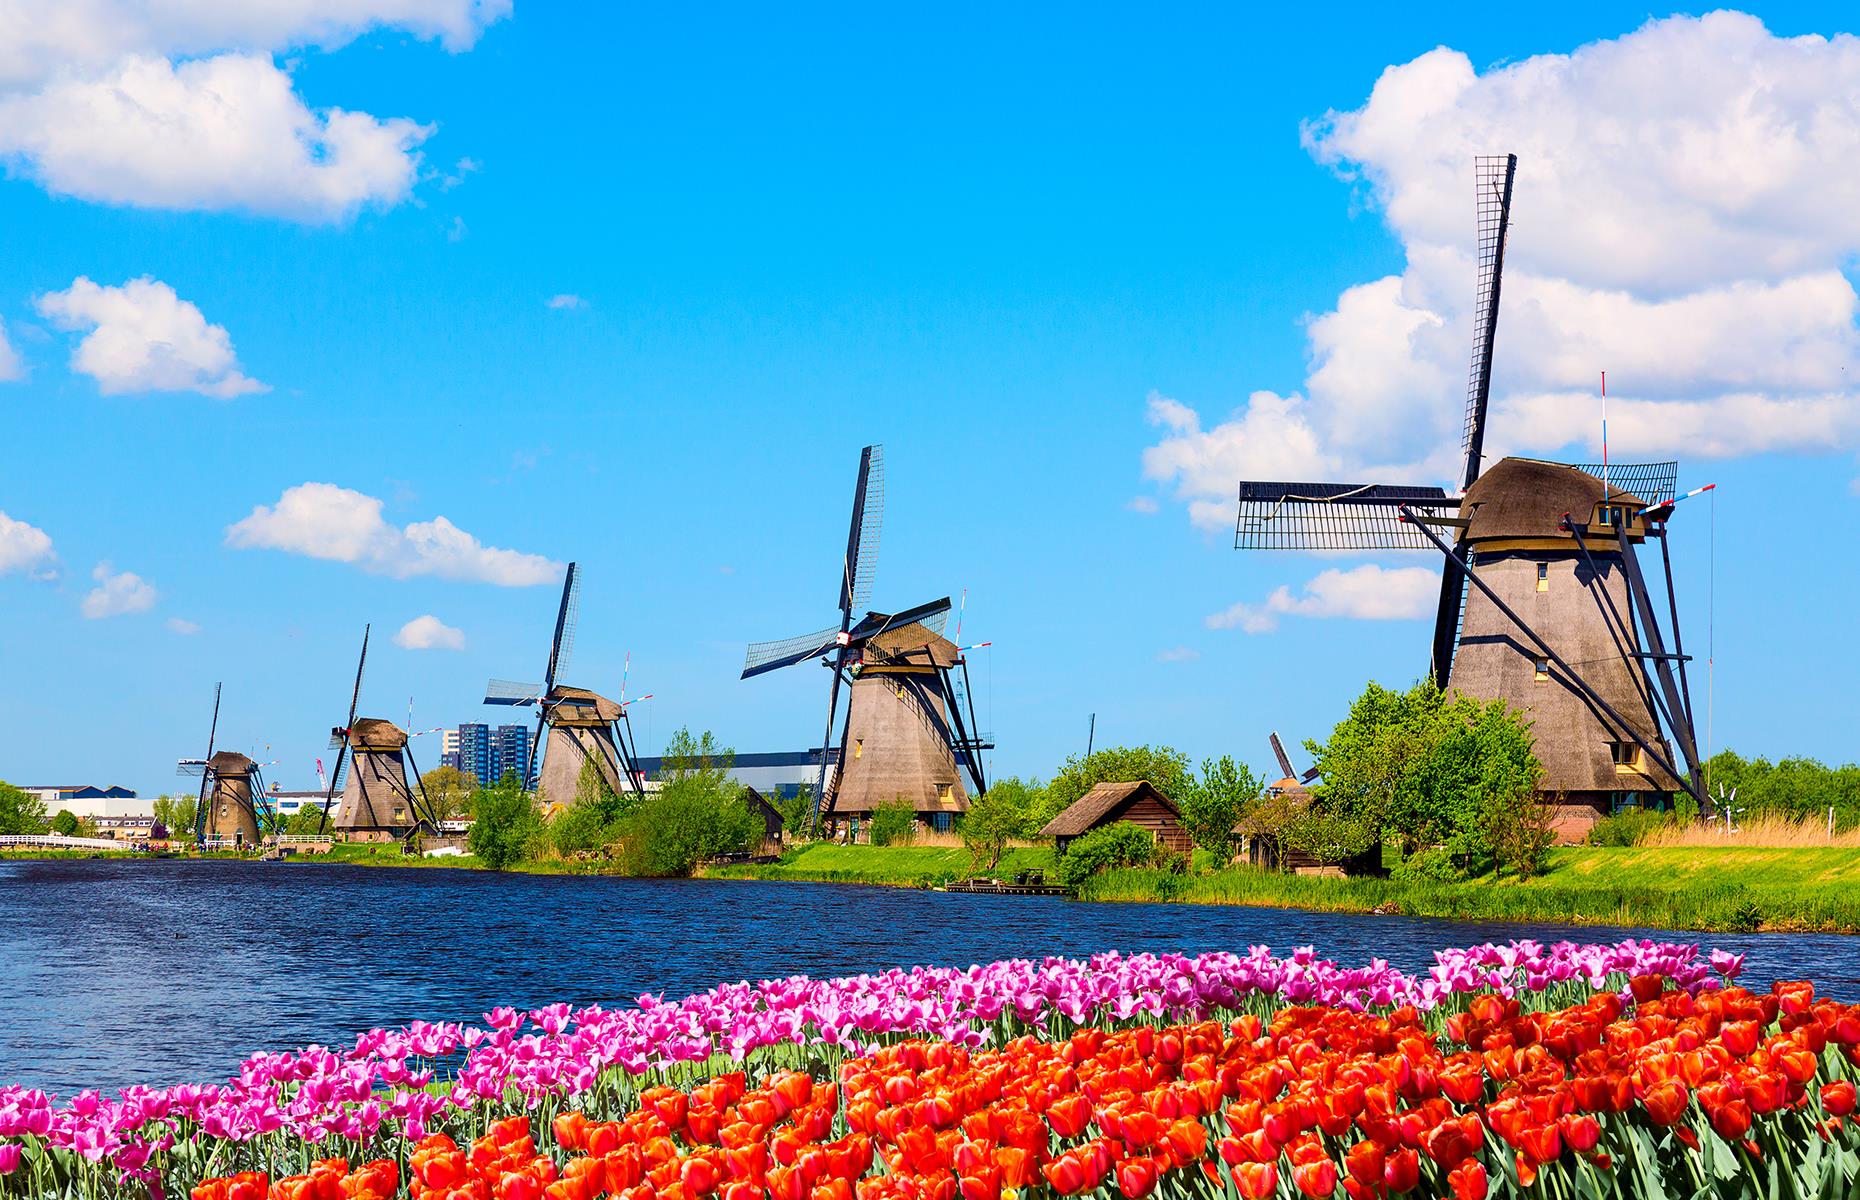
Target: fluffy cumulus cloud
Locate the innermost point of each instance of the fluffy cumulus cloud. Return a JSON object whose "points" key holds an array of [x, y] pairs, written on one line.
{"points": [[144, 338], [429, 633], [184, 106], [23, 547], [1365, 593], [117, 593], [1687, 197], [321, 520]]}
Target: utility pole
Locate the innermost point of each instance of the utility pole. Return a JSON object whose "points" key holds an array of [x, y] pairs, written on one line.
{"points": [[1091, 731]]}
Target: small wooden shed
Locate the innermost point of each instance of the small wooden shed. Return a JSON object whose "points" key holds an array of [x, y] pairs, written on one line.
{"points": [[1138, 802], [770, 816]]}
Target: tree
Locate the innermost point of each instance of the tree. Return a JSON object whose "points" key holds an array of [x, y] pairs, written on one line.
{"points": [[65, 823], [1011, 810], [177, 814], [1426, 770], [794, 809], [506, 822], [449, 792], [1802, 788], [1212, 805], [698, 812], [20, 811], [1163, 766]]}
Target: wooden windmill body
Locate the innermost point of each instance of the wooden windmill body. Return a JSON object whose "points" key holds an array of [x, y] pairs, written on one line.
{"points": [[910, 730], [382, 799], [230, 814], [897, 742], [580, 730], [1543, 601], [582, 726], [378, 805], [1533, 565]]}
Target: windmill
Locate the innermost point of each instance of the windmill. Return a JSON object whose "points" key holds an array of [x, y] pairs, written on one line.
{"points": [[583, 726], [372, 768], [905, 733], [230, 782], [1543, 600]]}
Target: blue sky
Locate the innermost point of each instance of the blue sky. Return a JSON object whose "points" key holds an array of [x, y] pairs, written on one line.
{"points": [[1051, 259]]}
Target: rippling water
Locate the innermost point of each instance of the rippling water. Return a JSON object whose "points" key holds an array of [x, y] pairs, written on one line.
{"points": [[118, 971]]}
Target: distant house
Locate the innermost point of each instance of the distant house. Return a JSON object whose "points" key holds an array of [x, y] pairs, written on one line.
{"points": [[1260, 847], [88, 801], [1139, 803]]}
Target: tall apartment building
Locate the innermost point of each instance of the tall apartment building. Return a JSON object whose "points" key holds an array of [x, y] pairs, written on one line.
{"points": [[488, 754]]}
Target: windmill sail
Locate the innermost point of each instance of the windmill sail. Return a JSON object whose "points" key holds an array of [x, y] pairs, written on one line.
{"points": [[1493, 177], [862, 537]]}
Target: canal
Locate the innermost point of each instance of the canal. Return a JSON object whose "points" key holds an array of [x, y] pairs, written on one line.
{"points": [[115, 972]]}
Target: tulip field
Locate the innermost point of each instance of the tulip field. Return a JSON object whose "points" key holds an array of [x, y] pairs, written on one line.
{"points": [[1637, 1070]]}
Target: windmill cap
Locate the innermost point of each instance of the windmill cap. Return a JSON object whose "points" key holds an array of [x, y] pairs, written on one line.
{"points": [[231, 762], [579, 706], [1527, 498], [374, 733]]}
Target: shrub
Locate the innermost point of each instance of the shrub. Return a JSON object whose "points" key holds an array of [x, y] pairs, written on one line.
{"points": [[1119, 844], [507, 820], [1330, 838], [1433, 865], [687, 821], [1625, 828], [65, 823], [894, 823]]}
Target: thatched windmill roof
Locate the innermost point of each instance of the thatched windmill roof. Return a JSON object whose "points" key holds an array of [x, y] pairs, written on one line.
{"points": [[1526, 498], [374, 733]]}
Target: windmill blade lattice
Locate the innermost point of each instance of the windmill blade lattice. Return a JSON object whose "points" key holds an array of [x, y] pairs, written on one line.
{"points": [[509, 691], [869, 521], [768, 656], [1493, 176], [1334, 516]]}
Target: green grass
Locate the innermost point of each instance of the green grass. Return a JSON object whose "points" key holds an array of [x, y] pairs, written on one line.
{"points": [[896, 866], [1729, 889]]}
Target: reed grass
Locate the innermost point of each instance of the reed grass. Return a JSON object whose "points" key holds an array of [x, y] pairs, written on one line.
{"points": [[1715, 889], [1769, 830], [916, 865]]}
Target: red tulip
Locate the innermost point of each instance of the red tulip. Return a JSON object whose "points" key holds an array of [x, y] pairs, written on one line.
{"points": [[1666, 1102], [1468, 1181], [1838, 1097], [1402, 1171], [1256, 1179], [1136, 1177]]}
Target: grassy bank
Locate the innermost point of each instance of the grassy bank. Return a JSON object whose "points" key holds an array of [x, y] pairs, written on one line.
{"points": [[1721, 889], [894, 866]]}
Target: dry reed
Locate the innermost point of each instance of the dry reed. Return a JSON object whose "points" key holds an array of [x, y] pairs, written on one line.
{"points": [[1770, 831]]}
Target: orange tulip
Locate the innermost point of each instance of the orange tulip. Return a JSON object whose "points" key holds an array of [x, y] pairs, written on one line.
{"points": [[1136, 1177], [1316, 1179]]}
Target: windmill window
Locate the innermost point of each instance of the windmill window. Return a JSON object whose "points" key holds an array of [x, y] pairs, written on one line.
{"points": [[1541, 671], [858, 747], [1543, 576], [1626, 756]]}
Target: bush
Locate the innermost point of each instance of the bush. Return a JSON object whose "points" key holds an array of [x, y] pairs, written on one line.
{"points": [[684, 823], [507, 820], [1627, 827], [1433, 865], [65, 823], [1119, 844], [894, 823], [1007, 811], [1330, 838]]}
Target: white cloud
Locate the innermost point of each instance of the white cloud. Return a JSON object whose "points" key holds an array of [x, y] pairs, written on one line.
{"points": [[145, 338], [219, 133], [566, 300], [11, 367], [1365, 593], [182, 105], [456, 231], [429, 633], [1687, 199], [1178, 654], [1143, 504], [40, 40], [183, 627], [321, 520], [117, 593], [23, 547]]}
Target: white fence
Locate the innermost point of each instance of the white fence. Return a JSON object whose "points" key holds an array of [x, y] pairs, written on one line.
{"points": [[61, 842]]}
